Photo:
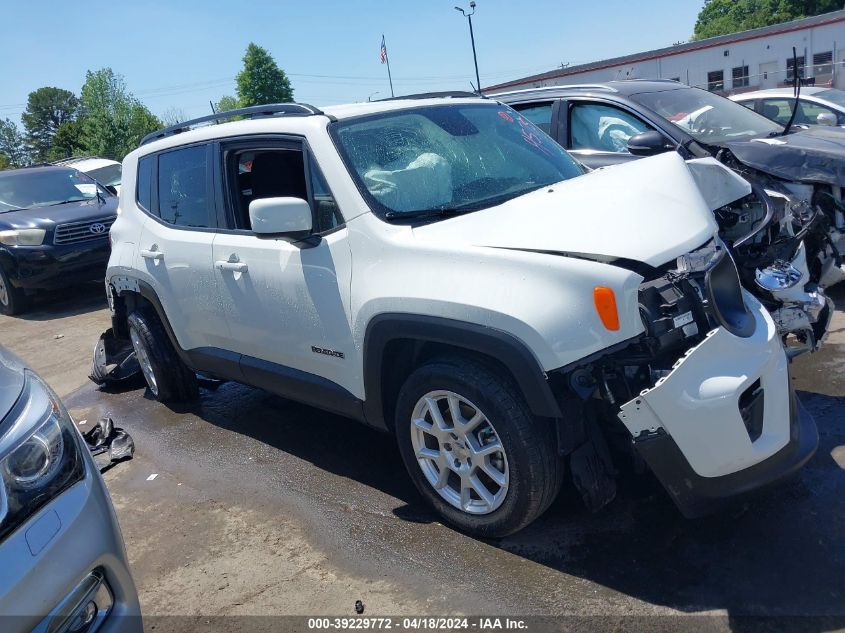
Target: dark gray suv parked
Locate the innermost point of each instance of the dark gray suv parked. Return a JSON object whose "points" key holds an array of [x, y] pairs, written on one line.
{"points": [[62, 562]]}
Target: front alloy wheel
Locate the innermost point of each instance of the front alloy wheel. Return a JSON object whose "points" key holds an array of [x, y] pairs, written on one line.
{"points": [[472, 447], [459, 452]]}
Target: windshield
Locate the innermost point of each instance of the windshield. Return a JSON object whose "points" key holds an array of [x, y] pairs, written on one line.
{"points": [[833, 95], [34, 188], [108, 175], [707, 117], [449, 158]]}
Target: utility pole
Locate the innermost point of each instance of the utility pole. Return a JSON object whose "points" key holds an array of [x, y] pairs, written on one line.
{"points": [[468, 16]]}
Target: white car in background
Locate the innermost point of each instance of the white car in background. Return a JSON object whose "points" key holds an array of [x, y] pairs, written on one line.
{"points": [[105, 171], [818, 106]]}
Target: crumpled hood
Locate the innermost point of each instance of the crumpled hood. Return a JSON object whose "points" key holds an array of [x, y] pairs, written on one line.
{"points": [[648, 210], [814, 155]]}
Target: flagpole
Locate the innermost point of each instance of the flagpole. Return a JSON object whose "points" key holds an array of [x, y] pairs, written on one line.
{"points": [[387, 61]]}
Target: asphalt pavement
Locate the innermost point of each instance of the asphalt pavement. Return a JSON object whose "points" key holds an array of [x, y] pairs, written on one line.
{"points": [[261, 506]]}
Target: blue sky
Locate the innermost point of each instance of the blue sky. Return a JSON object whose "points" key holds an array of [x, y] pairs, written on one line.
{"points": [[181, 54]]}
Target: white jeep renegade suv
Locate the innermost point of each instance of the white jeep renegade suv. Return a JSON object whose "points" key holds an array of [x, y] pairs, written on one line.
{"points": [[441, 269]]}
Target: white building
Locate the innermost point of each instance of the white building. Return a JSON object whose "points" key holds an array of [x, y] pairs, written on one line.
{"points": [[750, 60]]}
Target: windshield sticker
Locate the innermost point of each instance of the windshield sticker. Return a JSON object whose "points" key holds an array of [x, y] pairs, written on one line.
{"points": [[507, 117], [530, 136]]}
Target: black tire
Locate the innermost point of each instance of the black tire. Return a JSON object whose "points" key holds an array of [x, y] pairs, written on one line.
{"points": [[535, 470], [171, 380], [12, 300]]}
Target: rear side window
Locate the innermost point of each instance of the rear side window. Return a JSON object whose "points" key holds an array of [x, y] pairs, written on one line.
{"points": [[183, 189], [144, 194]]}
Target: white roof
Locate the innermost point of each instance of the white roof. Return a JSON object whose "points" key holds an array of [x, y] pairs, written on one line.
{"points": [[299, 125], [88, 164]]}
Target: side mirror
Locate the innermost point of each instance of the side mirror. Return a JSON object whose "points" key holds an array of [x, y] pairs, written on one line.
{"points": [[280, 216], [647, 143], [826, 118]]}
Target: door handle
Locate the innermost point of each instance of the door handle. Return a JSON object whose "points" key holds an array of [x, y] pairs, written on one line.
{"points": [[238, 267], [156, 255]]}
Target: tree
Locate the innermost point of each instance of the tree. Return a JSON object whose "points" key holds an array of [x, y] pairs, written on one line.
{"points": [[113, 121], [261, 81], [46, 109], [67, 141], [173, 115], [722, 17], [12, 145], [227, 103], [4, 162]]}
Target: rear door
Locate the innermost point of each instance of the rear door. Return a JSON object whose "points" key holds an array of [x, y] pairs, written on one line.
{"points": [[175, 244]]}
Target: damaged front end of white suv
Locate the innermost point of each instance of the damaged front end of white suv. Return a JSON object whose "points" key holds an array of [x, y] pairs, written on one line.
{"points": [[773, 238]]}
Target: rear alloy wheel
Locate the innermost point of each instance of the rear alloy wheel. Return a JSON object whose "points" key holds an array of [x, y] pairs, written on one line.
{"points": [[12, 300], [167, 376], [473, 448]]}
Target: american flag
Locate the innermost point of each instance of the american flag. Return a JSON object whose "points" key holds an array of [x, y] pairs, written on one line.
{"points": [[383, 52]]}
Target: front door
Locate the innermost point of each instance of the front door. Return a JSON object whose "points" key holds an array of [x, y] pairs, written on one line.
{"points": [[287, 301]]}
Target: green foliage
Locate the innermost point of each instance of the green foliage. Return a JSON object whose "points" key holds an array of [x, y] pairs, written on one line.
{"points": [[227, 103], [46, 110], [12, 146], [261, 81], [722, 17], [113, 120], [67, 141], [4, 162]]}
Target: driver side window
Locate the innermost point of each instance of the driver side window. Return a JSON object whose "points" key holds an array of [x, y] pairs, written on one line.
{"points": [[602, 127]]}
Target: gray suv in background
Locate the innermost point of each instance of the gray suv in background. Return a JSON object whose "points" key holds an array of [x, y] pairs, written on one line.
{"points": [[63, 566]]}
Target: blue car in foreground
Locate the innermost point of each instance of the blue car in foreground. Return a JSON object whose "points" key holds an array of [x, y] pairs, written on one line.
{"points": [[63, 567]]}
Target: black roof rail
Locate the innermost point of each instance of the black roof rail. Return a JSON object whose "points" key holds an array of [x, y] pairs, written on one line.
{"points": [[454, 94], [252, 112]]}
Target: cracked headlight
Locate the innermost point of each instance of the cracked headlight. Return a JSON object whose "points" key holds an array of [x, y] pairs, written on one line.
{"points": [[39, 454], [22, 237]]}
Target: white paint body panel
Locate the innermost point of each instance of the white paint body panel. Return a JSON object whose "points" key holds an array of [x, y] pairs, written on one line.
{"points": [[289, 299], [697, 404], [649, 210]]}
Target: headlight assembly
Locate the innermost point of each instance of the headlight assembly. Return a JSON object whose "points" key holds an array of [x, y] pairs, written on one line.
{"points": [[39, 454], [22, 237]]}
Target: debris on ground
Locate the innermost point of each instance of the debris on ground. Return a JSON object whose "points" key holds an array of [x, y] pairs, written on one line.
{"points": [[108, 443], [114, 360]]}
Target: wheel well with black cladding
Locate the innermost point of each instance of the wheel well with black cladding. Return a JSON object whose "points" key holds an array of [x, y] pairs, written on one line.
{"points": [[396, 344]]}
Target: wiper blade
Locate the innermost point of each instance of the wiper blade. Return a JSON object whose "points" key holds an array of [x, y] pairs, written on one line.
{"points": [[441, 212], [55, 204]]}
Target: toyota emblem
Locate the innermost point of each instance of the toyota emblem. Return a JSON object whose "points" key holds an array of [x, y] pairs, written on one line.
{"points": [[97, 228]]}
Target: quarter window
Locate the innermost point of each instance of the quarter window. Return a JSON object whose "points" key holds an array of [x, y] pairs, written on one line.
{"points": [[183, 188], [603, 128], [146, 169]]}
